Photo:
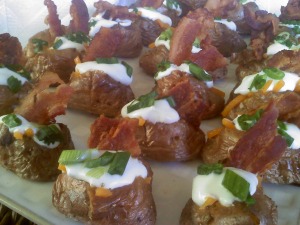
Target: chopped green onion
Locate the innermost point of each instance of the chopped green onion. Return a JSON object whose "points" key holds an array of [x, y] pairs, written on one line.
{"points": [[205, 169], [258, 82], [119, 163], [49, 134], [172, 3], [281, 125], [247, 121], [129, 69], [135, 10], [75, 156], [196, 43], [171, 101], [166, 35], [14, 84], [78, 37], [11, 120], [143, 101], [243, 1], [103, 160], [38, 44], [163, 66], [97, 172], [199, 73], [57, 44], [285, 38], [112, 60], [289, 140], [92, 23], [237, 185], [292, 22], [274, 73]]}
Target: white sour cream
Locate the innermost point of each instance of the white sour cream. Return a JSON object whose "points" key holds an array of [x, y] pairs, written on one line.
{"points": [[205, 186], [5, 73], [116, 71], [271, 6], [183, 67], [101, 22], [134, 168], [159, 42], [290, 81], [66, 44], [153, 15], [28, 125], [160, 112], [275, 48], [229, 24]]}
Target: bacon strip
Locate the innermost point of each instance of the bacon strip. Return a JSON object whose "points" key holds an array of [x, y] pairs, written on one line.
{"points": [[44, 103], [80, 17], [260, 147], [53, 20], [115, 134]]}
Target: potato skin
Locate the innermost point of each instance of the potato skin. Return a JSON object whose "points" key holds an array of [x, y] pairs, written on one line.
{"points": [[28, 159], [263, 212], [129, 205]]}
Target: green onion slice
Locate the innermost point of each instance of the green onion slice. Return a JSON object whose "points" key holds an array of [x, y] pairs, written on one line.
{"points": [[129, 69], [274, 73], [199, 73], [258, 82], [11, 120], [78, 37], [205, 169], [166, 35], [172, 3], [289, 140], [49, 134], [103, 160], [14, 84], [143, 101], [57, 44], [171, 101], [247, 121], [97, 172], [92, 23], [38, 44], [119, 163], [196, 43], [162, 66], [75, 156], [237, 185], [112, 60]]}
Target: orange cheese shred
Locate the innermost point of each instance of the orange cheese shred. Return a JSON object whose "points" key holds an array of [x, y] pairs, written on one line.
{"points": [[214, 132], [18, 135], [77, 60], [266, 86], [148, 180], [62, 167], [209, 201], [278, 86], [103, 192], [297, 88], [228, 123], [162, 24], [152, 45], [29, 132], [141, 121], [217, 92], [234, 102]]}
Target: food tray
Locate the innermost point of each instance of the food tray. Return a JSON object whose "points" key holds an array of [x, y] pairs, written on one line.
{"points": [[172, 182]]}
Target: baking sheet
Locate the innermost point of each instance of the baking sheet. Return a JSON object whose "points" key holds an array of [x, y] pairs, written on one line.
{"points": [[172, 181]]}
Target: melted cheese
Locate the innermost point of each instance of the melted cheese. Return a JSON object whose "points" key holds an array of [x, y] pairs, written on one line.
{"points": [[290, 81], [134, 168], [5, 73], [160, 112], [205, 186], [116, 71]]}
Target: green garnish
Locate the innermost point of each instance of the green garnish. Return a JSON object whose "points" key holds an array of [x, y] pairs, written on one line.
{"points": [[199, 73], [135, 10], [14, 84], [20, 70], [112, 60], [218, 18], [49, 134], [243, 1], [205, 169], [75, 156], [143, 101], [172, 4], [163, 66], [285, 38], [92, 23], [103, 160], [274, 73], [78, 37], [97, 172], [166, 35], [281, 129], [129, 69], [196, 43], [119, 163], [258, 82], [38, 44], [238, 186], [171, 101], [247, 121], [11, 120], [57, 44]]}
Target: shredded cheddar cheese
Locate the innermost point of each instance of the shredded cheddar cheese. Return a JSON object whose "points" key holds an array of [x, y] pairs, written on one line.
{"points": [[214, 132], [209, 201], [217, 92], [278, 86], [233, 103], [29, 132], [162, 24], [18, 135], [141, 121], [152, 45], [266, 86], [228, 123], [103, 192], [62, 168], [77, 60]]}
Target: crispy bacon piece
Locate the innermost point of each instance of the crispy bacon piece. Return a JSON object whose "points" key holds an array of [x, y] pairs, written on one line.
{"points": [[260, 147], [195, 24], [115, 134], [10, 50], [44, 103], [291, 11], [80, 17], [53, 20]]}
